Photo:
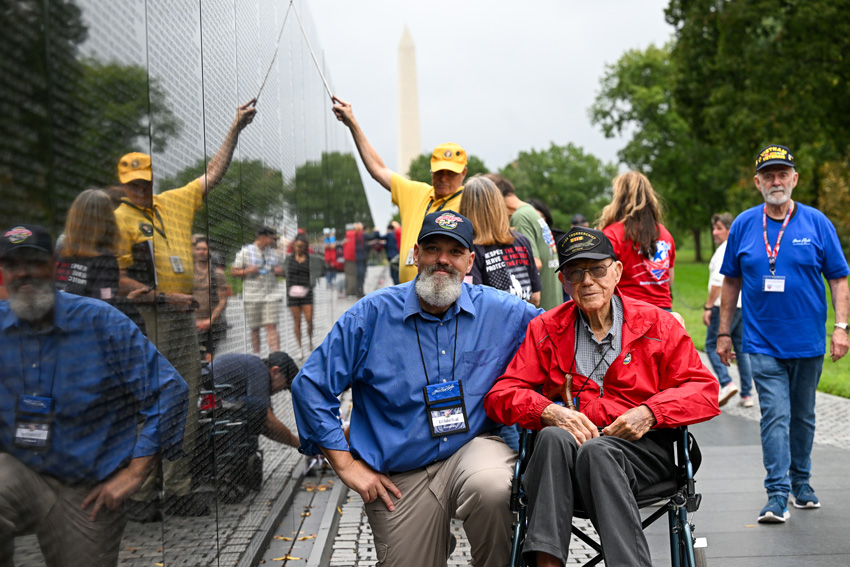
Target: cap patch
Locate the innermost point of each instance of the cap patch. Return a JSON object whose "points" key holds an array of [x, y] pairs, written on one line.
{"points": [[18, 234], [771, 153], [448, 153], [448, 220], [580, 240]]}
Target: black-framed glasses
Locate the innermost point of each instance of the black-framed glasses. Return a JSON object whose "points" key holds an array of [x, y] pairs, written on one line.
{"points": [[576, 275]]}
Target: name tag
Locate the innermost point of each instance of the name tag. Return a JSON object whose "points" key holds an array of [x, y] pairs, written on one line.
{"points": [[33, 422], [773, 284], [177, 264], [409, 260], [446, 408]]}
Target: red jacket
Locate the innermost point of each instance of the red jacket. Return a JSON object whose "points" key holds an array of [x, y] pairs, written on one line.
{"points": [[658, 367]]}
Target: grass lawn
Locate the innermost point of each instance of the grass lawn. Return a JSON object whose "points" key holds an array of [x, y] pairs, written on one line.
{"points": [[691, 291]]}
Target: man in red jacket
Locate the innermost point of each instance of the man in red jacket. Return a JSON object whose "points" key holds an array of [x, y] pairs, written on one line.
{"points": [[609, 374]]}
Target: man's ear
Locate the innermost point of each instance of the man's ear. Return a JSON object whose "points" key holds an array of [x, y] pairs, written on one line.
{"points": [[416, 254], [471, 262]]}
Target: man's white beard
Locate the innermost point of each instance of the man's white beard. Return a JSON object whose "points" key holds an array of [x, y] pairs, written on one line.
{"points": [[439, 291], [32, 305], [777, 199]]}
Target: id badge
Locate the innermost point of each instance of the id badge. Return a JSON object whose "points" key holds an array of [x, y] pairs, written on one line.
{"points": [[409, 261], [446, 408], [176, 264], [774, 284], [33, 422]]}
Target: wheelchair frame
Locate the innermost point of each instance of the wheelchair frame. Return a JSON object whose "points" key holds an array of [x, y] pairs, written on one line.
{"points": [[685, 549]]}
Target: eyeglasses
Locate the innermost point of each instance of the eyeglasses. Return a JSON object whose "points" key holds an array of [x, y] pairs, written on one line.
{"points": [[576, 275]]}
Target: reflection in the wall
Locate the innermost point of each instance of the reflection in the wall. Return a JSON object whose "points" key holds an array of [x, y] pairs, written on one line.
{"points": [[130, 127]]}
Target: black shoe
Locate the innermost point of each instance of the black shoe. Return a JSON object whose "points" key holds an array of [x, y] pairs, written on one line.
{"points": [[143, 512], [452, 544]]}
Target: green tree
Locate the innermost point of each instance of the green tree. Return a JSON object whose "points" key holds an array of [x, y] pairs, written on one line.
{"points": [[754, 72], [636, 97], [420, 168], [566, 178], [329, 193]]}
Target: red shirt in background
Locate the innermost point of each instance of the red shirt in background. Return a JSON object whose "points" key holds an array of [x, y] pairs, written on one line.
{"points": [[349, 249], [647, 279]]}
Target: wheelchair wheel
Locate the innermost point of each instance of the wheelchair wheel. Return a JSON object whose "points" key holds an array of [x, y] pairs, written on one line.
{"points": [[700, 557]]}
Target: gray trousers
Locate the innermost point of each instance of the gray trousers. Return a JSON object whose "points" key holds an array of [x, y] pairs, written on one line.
{"points": [[36, 503], [602, 478]]}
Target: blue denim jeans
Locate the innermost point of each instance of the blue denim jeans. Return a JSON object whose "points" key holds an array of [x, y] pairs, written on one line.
{"points": [[737, 332], [786, 390]]}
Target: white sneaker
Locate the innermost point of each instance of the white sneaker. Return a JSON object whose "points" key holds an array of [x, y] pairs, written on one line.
{"points": [[726, 393], [746, 402]]}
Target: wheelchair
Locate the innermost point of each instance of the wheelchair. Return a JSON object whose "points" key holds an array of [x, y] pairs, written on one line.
{"points": [[677, 496]]}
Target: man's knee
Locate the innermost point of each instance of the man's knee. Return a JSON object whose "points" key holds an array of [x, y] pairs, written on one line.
{"points": [[597, 453], [489, 488]]}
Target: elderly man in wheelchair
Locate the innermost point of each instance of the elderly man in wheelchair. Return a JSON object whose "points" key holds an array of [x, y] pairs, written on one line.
{"points": [[605, 379]]}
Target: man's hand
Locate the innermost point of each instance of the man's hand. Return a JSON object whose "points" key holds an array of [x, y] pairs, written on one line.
{"points": [[370, 485], [632, 425], [245, 114], [203, 325], [839, 344], [573, 421], [724, 350], [706, 317], [116, 489], [342, 111]]}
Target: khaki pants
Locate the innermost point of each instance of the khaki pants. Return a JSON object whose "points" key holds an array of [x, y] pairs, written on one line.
{"points": [[473, 485], [40, 504], [176, 337]]}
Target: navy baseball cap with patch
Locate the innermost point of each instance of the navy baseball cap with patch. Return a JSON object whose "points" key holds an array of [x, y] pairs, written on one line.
{"points": [[449, 223], [584, 244], [25, 236], [774, 155]]}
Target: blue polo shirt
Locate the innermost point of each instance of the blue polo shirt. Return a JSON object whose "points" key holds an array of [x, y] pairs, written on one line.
{"points": [[374, 348], [789, 324], [115, 396]]}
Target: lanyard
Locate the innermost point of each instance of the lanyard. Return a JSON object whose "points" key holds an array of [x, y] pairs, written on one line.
{"points": [[23, 373], [601, 360], [148, 217], [772, 254], [446, 202], [421, 354]]}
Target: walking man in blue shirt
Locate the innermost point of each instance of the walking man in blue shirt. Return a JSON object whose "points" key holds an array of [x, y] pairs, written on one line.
{"points": [[784, 309], [420, 357], [88, 406]]}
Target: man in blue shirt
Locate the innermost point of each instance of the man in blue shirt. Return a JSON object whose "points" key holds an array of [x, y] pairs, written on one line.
{"points": [[87, 408], [420, 357], [784, 310]]}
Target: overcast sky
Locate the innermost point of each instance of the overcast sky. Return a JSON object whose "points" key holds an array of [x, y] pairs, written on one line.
{"points": [[495, 76]]}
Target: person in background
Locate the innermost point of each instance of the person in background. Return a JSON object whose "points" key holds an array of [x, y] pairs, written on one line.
{"points": [[329, 244], [546, 213], [87, 264], [528, 222], [579, 220], [391, 248], [632, 222], [211, 294], [720, 224], [258, 264], [299, 292]]}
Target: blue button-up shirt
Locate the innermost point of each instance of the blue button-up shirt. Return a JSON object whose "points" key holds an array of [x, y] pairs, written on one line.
{"points": [[105, 378], [374, 348]]}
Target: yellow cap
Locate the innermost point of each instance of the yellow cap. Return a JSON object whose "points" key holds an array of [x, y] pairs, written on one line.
{"points": [[448, 156], [134, 166]]}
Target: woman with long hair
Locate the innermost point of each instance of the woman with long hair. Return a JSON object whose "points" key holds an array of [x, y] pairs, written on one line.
{"points": [[87, 263], [210, 291], [632, 222], [503, 257], [299, 291]]}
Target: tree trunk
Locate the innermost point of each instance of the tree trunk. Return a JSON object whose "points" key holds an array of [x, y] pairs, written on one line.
{"points": [[697, 250]]}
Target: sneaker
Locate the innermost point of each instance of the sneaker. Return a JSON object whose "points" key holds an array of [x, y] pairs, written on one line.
{"points": [[746, 402], [776, 511], [803, 496], [726, 393]]}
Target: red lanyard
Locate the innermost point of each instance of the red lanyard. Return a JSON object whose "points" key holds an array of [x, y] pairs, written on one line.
{"points": [[771, 255]]}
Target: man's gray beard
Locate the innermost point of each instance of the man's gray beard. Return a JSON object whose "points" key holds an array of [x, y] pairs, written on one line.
{"points": [[33, 306], [778, 198], [439, 291]]}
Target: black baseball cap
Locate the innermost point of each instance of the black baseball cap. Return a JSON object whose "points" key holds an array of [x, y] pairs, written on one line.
{"points": [[25, 236], [450, 223], [774, 155], [267, 231], [584, 244], [578, 218]]}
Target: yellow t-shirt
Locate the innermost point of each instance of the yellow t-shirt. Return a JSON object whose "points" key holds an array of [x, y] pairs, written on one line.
{"points": [[169, 226], [415, 200]]}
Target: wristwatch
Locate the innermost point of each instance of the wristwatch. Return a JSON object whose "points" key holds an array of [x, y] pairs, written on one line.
{"points": [[842, 326]]}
